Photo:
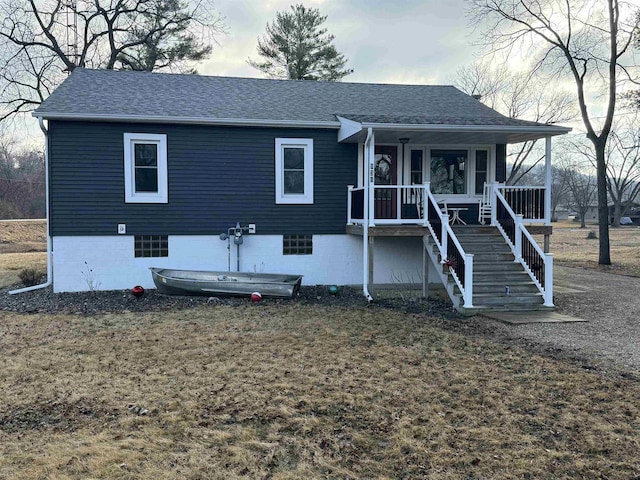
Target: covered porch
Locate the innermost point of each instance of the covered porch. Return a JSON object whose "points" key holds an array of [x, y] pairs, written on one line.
{"points": [[423, 179]]}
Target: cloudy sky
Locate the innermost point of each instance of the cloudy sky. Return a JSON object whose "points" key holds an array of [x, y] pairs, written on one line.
{"points": [[388, 41]]}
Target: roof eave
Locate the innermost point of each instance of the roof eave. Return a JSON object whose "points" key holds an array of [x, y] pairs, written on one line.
{"points": [[245, 122], [548, 129]]}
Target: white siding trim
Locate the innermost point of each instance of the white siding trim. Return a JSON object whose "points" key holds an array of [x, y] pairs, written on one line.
{"points": [[307, 196], [130, 194]]}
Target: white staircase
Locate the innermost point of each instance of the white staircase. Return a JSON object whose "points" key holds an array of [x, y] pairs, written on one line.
{"points": [[499, 282]]}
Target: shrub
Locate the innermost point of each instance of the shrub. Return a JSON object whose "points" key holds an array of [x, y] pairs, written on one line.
{"points": [[30, 276]]}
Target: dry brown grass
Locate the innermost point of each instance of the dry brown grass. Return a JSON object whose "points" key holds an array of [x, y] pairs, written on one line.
{"points": [[288, 391], [19, 237], [570, 247], [12, 263]]}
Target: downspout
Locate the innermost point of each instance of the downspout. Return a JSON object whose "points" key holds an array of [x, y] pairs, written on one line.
{"points": [[46, 187], [365, 216]]}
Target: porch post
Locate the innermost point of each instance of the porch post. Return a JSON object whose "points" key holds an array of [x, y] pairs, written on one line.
{"points": [[425, 271], [349, 200], [547, 181], [367, 214], [425, 203], [371, 166]]}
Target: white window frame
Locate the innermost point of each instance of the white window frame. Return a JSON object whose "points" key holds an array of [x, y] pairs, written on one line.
{"points": [[130, 194], [307, 196]]}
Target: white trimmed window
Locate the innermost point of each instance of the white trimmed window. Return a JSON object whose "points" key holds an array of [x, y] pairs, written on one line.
{"points": [[294, 170], [145, 168]]}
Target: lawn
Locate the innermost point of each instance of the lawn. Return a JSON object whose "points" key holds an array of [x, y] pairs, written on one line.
{"points": [[294, 391], [570, 246], [289, 391]]}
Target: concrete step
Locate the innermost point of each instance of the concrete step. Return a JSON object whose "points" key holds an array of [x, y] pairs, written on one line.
{"points": [[467, 238], [504, 300], [476, 249], [474, 229], [515, 288], [505, 278], [479, 309], [492, 266], [492, 257]]}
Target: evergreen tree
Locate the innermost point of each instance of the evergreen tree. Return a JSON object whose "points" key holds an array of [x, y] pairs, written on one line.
{"points": [[296, 46]]}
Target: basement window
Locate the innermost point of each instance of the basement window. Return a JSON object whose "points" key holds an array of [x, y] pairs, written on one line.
{"points": [[297, 244], [151, 246], [145, 168]]}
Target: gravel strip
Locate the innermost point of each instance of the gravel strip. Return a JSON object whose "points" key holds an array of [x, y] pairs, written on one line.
{"points": [[610, 339]]}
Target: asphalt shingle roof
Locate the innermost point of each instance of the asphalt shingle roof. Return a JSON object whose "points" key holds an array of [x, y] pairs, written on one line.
{"points": [[90, 93]]}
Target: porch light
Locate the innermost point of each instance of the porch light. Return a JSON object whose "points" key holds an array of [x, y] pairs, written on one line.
{"points": [[404, 140]]}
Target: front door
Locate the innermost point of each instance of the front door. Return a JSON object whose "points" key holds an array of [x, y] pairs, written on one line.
{"points": [[386, 173]]}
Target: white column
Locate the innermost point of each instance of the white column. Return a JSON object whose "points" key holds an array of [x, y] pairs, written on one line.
{"points": [[349, 202], [547, 181], [371, 165]]}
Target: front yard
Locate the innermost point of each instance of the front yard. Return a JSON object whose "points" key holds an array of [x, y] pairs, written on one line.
{"points": [[289, 390], [298, 391]]}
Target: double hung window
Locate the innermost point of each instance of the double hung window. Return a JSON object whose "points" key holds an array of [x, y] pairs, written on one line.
{"points": [[294, 170], [145, 168]]}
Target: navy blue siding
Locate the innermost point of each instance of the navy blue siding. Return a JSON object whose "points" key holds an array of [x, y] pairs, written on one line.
{"points": [[217, 177], [501, 163]]}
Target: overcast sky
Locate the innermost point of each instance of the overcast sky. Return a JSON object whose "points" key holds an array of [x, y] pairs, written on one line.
{"points": [[386, 41]]}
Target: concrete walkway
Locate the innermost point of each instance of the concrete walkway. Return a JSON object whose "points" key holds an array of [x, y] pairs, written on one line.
{"points": [[610, 304]]}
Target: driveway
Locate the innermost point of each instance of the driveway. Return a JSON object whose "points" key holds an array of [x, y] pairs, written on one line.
{"points": [[610, 303]]}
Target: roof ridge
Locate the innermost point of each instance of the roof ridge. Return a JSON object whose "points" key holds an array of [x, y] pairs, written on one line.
{"points": [[274, 80]]}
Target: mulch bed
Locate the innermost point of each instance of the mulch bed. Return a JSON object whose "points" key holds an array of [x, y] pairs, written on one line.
{"points": [[121, 301]]}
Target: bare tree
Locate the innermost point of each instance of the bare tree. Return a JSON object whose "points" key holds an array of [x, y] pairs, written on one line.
{"points": [[623, 165], [560, 191], [581, 188], [583, 41], [521, 96], [40, 42], [634, 96], [21, 182]]}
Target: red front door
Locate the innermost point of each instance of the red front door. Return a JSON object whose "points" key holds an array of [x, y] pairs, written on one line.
{"points": [[386, 173]]}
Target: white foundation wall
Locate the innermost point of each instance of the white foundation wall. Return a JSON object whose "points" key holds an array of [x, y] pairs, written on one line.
{"points": [[108, 262]]}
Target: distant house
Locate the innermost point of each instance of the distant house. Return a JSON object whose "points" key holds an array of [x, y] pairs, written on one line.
{"points": [[149, 169]]}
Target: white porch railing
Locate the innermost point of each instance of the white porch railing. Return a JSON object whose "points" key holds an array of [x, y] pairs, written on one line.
{"points": [[528, 201], [393, 205], [453, 256], [527, 252], [404, 205]]}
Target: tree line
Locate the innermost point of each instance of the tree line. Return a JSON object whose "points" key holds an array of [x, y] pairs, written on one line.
{"points": [[22, 187]]}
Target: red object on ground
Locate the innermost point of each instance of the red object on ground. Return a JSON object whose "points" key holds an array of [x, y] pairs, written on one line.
{"points": [[256, 297], [137, 291]]}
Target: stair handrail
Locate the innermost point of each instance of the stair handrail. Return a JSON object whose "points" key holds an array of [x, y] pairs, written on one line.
{"points": [[466, 287], [516, 247]]}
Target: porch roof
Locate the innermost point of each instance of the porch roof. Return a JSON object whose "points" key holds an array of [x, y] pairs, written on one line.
{"points": [[439, 129]]}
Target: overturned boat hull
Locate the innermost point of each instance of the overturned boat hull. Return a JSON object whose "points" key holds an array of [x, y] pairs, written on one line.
{"points": [[211, 283]]}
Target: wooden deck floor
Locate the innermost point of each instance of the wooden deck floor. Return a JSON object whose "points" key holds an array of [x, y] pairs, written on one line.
{"points": [[420, 230], [389, 230]]}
